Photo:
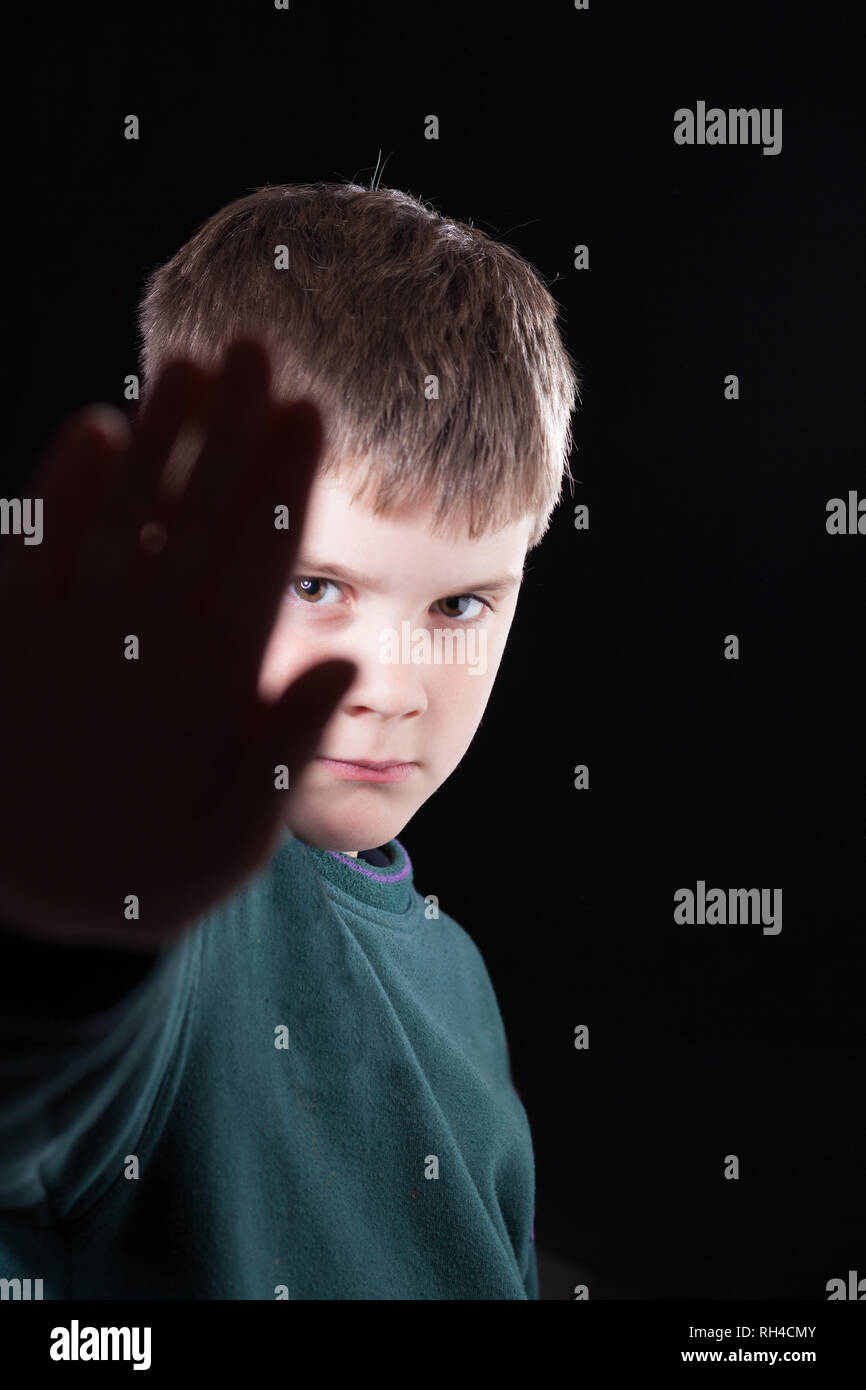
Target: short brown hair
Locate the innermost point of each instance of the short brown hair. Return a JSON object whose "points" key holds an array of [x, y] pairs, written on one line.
{"points": [[380, 292]]}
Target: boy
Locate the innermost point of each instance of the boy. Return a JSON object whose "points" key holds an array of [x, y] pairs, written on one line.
{"points": [[240, 1055]]}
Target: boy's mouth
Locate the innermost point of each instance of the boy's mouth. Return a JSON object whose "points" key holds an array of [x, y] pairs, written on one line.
{"points": [[368, 762], [364, 770]]}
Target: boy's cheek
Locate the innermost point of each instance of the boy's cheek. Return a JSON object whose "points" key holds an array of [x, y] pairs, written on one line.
{"points": [[285, 658], [465, 687]]}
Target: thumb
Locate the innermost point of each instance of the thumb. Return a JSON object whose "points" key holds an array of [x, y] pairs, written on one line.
{"points": [[287, 734], [292, 729]]}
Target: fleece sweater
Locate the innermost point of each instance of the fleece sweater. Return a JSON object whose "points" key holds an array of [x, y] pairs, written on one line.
{"points": [[306, 1095]]}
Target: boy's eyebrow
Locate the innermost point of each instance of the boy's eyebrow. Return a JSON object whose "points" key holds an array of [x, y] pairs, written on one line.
{"points": [[313, 568]]}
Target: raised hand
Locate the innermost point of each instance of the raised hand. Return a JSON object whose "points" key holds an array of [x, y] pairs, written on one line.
{"points": [[153, 776]]}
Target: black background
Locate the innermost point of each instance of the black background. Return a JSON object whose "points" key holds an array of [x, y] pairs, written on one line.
{"points": [[707, 517]]}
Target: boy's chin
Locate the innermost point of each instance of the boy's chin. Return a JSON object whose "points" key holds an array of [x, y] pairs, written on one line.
{"points": [[349, 839]]}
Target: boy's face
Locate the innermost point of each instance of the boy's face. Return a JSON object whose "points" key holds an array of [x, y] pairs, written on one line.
{"points": [[359, 583]]}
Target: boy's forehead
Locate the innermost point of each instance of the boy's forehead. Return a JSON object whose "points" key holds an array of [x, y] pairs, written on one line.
{"points": [[338, 529], [332, 495]]}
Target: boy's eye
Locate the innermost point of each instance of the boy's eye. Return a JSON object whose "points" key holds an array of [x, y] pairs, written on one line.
{"points": [[460, 598], [307, 587], [310, 590]]}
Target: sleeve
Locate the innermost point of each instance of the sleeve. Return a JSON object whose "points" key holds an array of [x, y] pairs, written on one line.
{"points": [[530, 1281], [85, 1049]]}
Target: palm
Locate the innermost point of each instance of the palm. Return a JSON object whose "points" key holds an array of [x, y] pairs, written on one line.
{"points": [[154, 776]]}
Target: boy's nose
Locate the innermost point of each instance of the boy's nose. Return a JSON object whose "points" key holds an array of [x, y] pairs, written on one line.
{"points": [[388, 690]]}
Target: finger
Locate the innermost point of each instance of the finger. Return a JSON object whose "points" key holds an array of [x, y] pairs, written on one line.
{"points": [[287, 733], [114, 549], [71, 480], [208, 510], [291, 729], [246, 591], [181, 399]]}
